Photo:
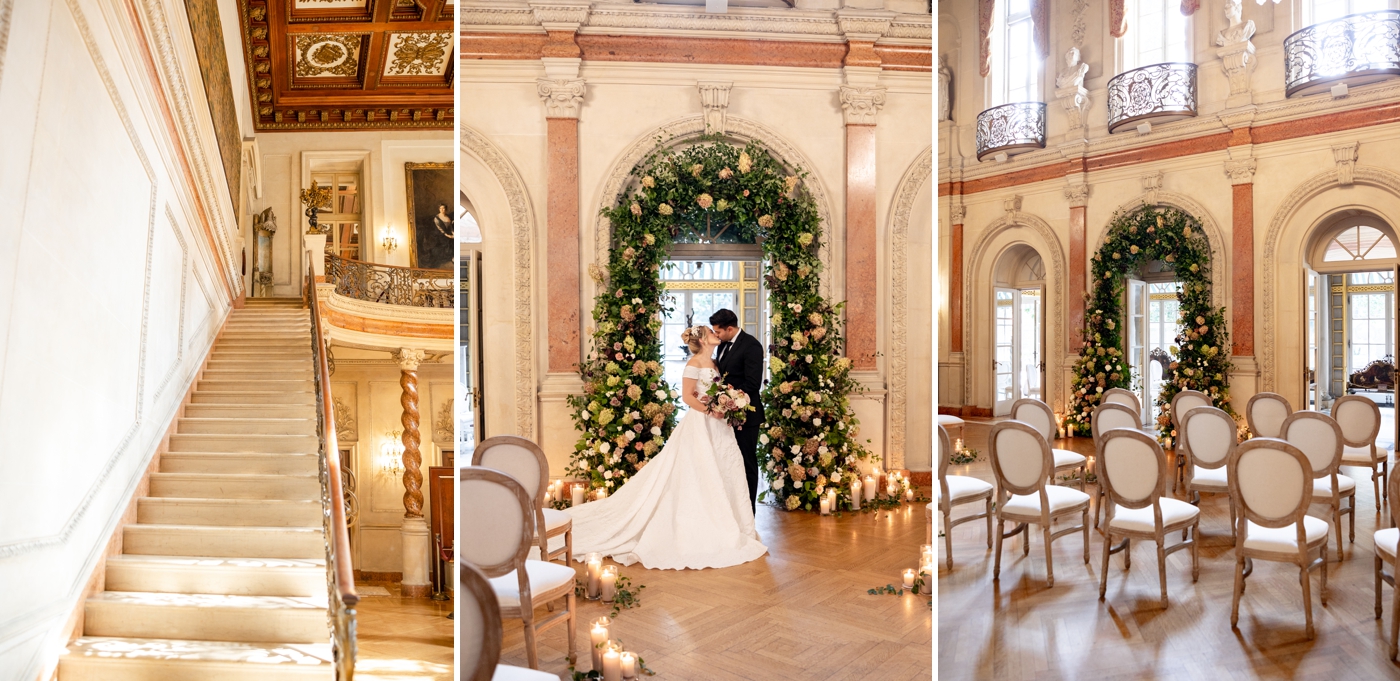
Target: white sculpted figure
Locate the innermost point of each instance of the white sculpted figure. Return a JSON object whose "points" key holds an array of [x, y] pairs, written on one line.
{"points": [[945, 89], [1073, 74], [1238, 31]]}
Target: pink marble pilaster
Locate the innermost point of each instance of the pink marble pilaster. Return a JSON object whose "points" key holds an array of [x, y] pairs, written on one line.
{"points": [[1242, 274], [562, 252], [955, 287], [861, 274], [1078, 260]]}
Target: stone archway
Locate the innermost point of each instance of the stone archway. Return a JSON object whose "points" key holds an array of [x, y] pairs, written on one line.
{"points": [[1220, 269], [901, 207]]}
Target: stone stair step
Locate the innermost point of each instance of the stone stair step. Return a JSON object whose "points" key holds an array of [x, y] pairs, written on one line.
{"points": [[229, 512], [235, 486], [98, 658], [251, 410], [259, 443], [252, 426], [223, 542], [263, 385], [244, 397], [255, 374], [241, 462], [205, 617], [203, 575]]}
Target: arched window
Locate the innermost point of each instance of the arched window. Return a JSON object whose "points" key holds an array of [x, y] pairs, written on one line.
{"points": [[1015, 64], [1359, 242], [1157, 32], [1319, 11]]}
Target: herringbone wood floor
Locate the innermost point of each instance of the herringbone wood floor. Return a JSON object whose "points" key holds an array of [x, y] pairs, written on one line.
{"points": [[1019, 629], [800, 612]]}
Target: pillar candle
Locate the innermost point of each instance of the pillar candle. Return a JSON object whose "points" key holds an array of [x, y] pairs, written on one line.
{"points": [[549, 496], [595, 570], [612, 665], [629, 665], [855, 495], [870, 489], [602, 494], [957, 446], [599, 636], [609, 583], [908, 579], [576, 495], [908, 493], [826, 505]]}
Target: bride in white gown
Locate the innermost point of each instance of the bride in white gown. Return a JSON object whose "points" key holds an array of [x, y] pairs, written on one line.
{"points": [[688, 507]]}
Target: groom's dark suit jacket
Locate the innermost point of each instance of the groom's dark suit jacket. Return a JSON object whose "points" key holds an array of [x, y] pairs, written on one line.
{"points": [[741, 365]]}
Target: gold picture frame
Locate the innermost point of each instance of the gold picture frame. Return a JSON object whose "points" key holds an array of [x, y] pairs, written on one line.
{"points": [[429, 246]]}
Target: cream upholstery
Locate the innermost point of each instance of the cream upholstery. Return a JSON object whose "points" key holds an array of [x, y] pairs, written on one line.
{"points": [[1064, 457], [1038, 415], [508, 673], [1140, 519], [1283, 539], [1215, 478], [525, 461], [1131, 465], [491, 533], [543, 577], [1019, 455], [959, 489], [1362, 456], [1360, 421], [947, 420], [1386, 541], [1059, 498], [1269, 486], [1322, 487], [1126, 398], [554, 520], [1209, 439], [963, 486], [1265, 414], [1320, 438], [1109, 416]]}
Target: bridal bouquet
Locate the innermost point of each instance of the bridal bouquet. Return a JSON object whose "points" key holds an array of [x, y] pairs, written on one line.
{"points": [[731, 403]]}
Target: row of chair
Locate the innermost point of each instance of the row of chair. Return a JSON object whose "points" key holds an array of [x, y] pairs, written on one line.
{"points": [[502, 519]]}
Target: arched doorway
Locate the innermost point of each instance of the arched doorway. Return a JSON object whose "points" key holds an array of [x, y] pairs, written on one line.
{"points": [[1350, 331], [1018, 335]]}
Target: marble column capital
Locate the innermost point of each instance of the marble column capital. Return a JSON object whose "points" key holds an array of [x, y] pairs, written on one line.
{"points": [[408, 358], [860, 104], [1077, 193], [562, 98], [1240, 172], [714, 99]]}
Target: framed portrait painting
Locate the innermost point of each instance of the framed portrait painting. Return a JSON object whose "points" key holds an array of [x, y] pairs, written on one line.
{"points": [[431, 243]]}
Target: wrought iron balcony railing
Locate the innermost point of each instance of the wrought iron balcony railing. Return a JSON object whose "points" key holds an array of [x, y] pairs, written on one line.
{"points": [[391, 285], [1159, 93], [1010, 129], [1356, 49]]}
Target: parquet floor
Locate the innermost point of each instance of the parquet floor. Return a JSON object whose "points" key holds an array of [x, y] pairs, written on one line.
{"points": [[800, 612], [402, 639], [1019, 629]]}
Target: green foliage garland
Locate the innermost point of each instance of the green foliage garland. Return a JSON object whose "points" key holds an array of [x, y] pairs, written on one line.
{"points": [[1200, 359], [627, 409]]}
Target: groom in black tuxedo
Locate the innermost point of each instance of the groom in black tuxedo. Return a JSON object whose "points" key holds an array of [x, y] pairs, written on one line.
{"points": [[740, 362]]}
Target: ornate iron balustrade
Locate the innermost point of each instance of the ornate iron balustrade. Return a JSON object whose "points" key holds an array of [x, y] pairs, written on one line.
{"points": [[1158, 93], [1357, 49], [340, 576], [1010, 128], [391, 285]]}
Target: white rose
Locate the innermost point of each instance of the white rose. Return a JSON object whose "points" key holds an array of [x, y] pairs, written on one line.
{"points": [[636, 301], [656, 430], [809, 359], [763, 439], [607, 475], [674, 394], [841, 425], [631, 435], [604, 448], [777, 484], [586, 415], [816, 422], [797, 308], [661, 394], [610, 483]]}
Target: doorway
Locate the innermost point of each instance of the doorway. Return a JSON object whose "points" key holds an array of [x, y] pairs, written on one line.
{"points": [[1152, 319], [1018, 337], [698, 289]]}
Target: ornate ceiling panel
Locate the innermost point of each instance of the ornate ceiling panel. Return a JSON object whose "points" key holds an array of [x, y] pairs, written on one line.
{"points": [[350, 64]]}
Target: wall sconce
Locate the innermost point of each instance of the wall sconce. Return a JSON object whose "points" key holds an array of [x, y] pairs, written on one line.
{"points": [[391, 453], [389, 242]]}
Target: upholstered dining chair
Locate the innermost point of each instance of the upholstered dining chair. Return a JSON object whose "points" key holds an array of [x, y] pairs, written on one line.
{"points": [[1183, 402], [1265, 413], [1360, 421], [1039, 416], [480, 640], [1208, 437], [1320, 439], [1386, 541], [525, 461], [1124, 397], [1271, 481], [1133, 470], [954, 490], [1022, 463], [950, 421], [496, 521], [1107, 416]]}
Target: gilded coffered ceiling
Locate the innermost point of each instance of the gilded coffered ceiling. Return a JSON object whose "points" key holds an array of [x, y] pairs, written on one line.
{"points": [[349, 64]]}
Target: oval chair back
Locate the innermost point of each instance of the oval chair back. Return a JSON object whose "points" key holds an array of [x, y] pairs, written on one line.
{"points": [[480, 622], [1318, 437], [1265, 413], [1271, 480], [1185, 401], [1392, 488], [1133, 469], [1124, 397], [1209, 437], [1360, 420], [496, 522], [1037, 414], [1111, 415], [525, 461], [945, 453], [1021, 459]]}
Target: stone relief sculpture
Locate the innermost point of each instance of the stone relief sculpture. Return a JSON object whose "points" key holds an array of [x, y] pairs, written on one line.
{"points": [[1239, 31], [1069, 89], [264, 228], [1074, 71], [945, 90]]}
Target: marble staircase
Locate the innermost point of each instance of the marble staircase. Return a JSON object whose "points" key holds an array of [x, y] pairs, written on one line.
{"points": [[222, 576]]}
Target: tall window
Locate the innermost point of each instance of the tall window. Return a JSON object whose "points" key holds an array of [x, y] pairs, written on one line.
{"points": [[341, 213], [1015, 66], [1157, 33], [1318, 11]]}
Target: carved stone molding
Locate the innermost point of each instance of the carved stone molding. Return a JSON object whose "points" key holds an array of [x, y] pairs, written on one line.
{"points": [[905, 194], [522, 218], [1238, 63], [408, 359], [560, 16], [957, 212], [1345, 156], [860, 104], [1012, 205], [1075, 100], [1266, 341], [562, 98], [1079, 27], [1077, 193], [445, 423], [714, 98], [685, 131], [345, 430], [1052, 253], [1151, 186], [1240, 172], [863, 25]]}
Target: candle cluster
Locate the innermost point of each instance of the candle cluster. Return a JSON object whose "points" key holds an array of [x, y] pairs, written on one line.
{"points": [[925, 569], [608, 656], [894, 485]]}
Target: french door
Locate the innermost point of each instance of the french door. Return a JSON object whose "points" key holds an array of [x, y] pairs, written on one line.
{"points": [[1135, 337], [469, 363], [1018, 362]]}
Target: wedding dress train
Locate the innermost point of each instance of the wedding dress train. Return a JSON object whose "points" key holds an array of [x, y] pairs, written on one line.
{"points": [[687, 508]]}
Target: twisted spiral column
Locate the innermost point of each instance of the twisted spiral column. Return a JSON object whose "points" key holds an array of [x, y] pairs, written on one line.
{"points": [[409, 360]]}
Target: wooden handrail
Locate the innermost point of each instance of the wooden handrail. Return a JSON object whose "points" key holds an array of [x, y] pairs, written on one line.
{"points": [[341, 540]]}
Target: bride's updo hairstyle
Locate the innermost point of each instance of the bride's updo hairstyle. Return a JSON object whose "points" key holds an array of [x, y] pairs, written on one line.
{"points": [[694, 337]]}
